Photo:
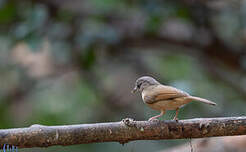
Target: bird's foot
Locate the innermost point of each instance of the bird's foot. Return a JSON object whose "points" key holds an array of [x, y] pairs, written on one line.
{"points": [[176, 119]]}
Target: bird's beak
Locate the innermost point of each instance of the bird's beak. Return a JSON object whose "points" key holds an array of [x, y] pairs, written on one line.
{"points": [[134, 90]]}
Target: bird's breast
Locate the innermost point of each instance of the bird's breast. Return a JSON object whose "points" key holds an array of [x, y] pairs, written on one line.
{"points": [[145, 96]]}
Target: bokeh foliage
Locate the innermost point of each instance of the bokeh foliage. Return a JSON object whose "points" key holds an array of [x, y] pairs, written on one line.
{"points": [[72, 62]]}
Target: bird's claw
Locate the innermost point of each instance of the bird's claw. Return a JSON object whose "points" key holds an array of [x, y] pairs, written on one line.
{"points": [[176, 119]]}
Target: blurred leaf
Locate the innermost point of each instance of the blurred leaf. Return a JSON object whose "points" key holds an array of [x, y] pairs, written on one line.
{"points": [[8, 12], [34, 41], [87, 58], [33, 21], [38, 16], [4, 112], [107, 5], [65, 16], [183, 12], [153, 24], [68, 100]]}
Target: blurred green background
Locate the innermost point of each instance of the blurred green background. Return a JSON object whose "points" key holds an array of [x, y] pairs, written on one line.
{"points": [[76, 61]]}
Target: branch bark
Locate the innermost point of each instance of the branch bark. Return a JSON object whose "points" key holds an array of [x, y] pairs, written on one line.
{"points": [[123, 132]]}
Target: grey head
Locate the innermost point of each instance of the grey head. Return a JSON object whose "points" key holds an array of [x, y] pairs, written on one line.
{"points": [[144, 82]]}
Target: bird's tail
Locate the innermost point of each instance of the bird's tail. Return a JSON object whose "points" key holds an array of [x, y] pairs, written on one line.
{"points": [[202, 100]]}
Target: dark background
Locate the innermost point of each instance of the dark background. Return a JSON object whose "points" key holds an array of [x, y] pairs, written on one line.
{"points": [[76, 61]]}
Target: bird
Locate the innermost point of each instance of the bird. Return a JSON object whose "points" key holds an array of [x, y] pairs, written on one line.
{"points": [[162, 97]]}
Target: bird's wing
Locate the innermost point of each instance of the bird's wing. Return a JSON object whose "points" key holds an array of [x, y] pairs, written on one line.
{"points": [[161, 93]]}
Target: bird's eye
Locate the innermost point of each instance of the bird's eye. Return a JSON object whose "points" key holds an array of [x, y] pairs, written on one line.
{"points": [[139, 85]]}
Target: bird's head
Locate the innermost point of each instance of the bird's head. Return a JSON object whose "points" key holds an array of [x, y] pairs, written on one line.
{"points": [[144, 82]]}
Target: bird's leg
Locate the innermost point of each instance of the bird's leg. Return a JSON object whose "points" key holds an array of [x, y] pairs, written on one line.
{"points": [[176, 116], [161, 114]]}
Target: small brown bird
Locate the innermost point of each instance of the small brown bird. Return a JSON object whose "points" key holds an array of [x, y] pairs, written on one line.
{"points": [[161, 97]]}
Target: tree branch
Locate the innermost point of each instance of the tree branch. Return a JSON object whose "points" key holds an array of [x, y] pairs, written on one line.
{"points": [[124, 131]]}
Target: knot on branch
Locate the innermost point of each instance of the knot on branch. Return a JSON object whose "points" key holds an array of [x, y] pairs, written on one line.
{"points": [[129, 122]]}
